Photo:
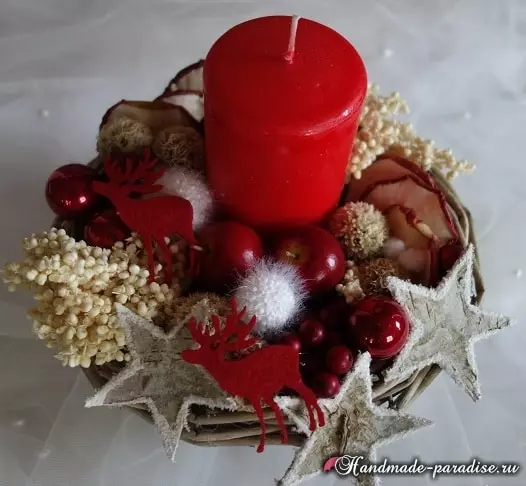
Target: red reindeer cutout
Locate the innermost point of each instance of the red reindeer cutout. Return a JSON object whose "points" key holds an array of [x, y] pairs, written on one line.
{"points": [[256, 377], [152, 219]]}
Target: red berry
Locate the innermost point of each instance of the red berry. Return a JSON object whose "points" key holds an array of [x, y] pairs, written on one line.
{"points": [[339, 360], [311, 333], [380, 326], [325, 385], [292, 340]]}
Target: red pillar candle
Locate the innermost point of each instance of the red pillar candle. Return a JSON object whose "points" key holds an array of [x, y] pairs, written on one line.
{"points": [[282, 102]]}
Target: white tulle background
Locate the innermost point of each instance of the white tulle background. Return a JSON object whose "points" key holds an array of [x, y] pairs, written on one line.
{"points": [[460, 64]]}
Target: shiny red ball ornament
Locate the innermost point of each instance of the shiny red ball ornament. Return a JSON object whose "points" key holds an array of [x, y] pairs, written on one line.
{"points": [[380, 326], [69, 190], [105, 228], [325, 385]]}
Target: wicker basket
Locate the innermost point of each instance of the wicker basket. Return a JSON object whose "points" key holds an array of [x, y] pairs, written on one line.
{"points": [[242, 428]]}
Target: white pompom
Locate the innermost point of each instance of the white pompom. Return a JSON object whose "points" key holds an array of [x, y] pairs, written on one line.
{"points": [[274, 293], [189, 185], [393, 247], [414, 259]]}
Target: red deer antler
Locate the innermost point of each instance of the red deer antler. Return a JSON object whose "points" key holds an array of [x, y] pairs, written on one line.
{"points": [[153, 219], [256, 377], [235, 334], [134, 172], [232, 337]]}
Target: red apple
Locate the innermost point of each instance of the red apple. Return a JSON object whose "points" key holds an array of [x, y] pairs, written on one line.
{"points": [[230, 249], [380, 326], [311, 333], [339, 360], [325, 385], [317, 255]]}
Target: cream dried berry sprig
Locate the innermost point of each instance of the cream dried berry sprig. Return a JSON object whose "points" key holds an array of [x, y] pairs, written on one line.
{"points": [[76, 287], [382, 131]]}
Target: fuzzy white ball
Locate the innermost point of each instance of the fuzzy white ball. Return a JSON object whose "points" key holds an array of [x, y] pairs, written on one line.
{"points": [[393, 248], [189, 185], [272, 291]]}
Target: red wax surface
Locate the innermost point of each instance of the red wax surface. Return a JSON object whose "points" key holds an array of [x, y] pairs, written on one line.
{"points": [[278, 133]]}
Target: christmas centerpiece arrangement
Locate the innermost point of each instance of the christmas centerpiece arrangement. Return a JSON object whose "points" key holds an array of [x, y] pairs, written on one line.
{"points": [[265, 253]]}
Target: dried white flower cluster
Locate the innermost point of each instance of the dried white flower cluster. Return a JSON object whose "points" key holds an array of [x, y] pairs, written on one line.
{"points": [[360, 228], [350, 287], [179, 145], [77, 286], [174, 145], [381, 132], [124, 135]]}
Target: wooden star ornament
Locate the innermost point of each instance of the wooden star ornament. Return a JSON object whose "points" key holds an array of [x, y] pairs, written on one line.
{"points": [[445, 324], [354, 427], [158, 378]]}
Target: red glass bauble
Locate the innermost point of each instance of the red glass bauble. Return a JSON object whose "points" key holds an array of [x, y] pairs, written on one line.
{"points": [[380, 326], [105, 228], [69, 190]]}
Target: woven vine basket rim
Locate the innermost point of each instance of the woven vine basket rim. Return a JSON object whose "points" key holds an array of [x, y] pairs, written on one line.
{"points": [[207, 428]]}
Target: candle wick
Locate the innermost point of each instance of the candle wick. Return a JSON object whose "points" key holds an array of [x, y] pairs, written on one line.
{"points": [[291, 50]]}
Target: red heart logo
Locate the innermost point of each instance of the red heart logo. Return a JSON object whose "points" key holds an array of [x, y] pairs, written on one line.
{"points": [[330, 463]]}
